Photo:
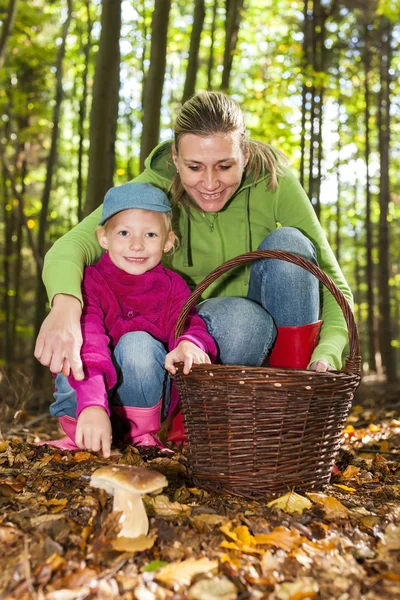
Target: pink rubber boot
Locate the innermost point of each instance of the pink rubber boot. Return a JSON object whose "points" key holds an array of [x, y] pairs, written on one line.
{"points": [[144, 424], [294, 346], [66, 443]]}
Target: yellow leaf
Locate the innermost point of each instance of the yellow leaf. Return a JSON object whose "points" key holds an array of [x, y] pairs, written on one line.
{"points": [[4, 445], [350, 472], [241, 548], [291, 503], [244, 536], [333, 508], [58, 505], [280, 537], [143, 542], [225, 558], [181, 573], [346, 488], [163, 507], [369, 521], [384, 446]]}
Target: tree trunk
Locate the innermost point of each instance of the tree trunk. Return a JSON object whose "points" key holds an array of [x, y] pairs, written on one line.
{"points": [[304, 92], [193, 60], [104, 111], [338, 181], [155, 79], [232, 24], [51, 161], [385, 329], [7, 28], [210, 64], [83, 110], [368, 222]]}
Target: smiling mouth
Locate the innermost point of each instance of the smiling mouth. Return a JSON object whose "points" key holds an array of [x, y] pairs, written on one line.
{"points": [[136, 259], [211, 196]]}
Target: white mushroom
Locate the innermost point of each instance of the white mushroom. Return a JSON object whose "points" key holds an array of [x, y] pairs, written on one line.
{"points": [[127, 485]]}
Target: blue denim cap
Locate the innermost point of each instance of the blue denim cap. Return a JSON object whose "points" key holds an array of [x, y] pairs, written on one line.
{"points": [[134, 195]]}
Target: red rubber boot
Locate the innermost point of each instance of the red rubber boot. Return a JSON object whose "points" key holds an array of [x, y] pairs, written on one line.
{"points": [[294, 346], [66, 443], [176, 431]]}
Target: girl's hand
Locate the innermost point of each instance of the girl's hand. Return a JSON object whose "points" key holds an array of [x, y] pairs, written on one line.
{"points": [[321, 366], [59, 341], [188, 353], [93, 430]]}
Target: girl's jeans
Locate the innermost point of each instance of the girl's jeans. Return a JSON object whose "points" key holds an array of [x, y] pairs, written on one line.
{"points": [[280, 294]]}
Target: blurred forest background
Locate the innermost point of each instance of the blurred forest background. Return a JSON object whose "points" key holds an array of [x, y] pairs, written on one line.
{"points": [[89, 87]]}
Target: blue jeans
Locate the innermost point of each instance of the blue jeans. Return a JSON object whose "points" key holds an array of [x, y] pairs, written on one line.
{"points": [[142, 379], [280, 294]]}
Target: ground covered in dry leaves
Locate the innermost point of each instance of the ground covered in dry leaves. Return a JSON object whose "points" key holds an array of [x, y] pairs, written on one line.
{"points": [[58, 535]]}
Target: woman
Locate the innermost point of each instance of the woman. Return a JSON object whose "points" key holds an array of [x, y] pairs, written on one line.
{"points": [[229, 195]]}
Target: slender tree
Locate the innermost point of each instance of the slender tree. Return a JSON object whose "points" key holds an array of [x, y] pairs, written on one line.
{"points": [[232, 24], [193, 60], [210, 63], [86, 47], [104, 111], [7, 28], [155, 79], [385, 322], [368, 201]]}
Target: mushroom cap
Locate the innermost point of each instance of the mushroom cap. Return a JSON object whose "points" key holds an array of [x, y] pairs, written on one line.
{"points": [[135, 480]]}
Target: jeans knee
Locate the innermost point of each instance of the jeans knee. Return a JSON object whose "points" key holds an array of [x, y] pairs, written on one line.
{"points": [[139, 352], [289, 239]]}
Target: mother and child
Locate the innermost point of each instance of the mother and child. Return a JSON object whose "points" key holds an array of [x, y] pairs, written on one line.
{"points": [[110, 337]]}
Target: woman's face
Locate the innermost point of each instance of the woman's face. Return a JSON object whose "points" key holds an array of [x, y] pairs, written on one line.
{"points": [[210, 168]]}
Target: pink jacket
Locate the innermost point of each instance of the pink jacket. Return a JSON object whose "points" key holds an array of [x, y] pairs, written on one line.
{"points": [[116, 303]]}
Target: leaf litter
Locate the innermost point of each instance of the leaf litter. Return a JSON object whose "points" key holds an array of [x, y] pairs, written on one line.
{"points": [[59, 538]]}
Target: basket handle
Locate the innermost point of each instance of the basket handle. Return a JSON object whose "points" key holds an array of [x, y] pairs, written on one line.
{"points": [[353, 361]]}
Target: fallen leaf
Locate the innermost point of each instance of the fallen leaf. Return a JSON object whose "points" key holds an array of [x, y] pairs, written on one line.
{"points": [[217, 588], [81, 456], [280, 537], [181, 573], [57, 504], [154, 565], [301, 589], [138, 544], [163, 507], [234, 562], [346, 488], [350, 472], [333, 508], [291, 503]]}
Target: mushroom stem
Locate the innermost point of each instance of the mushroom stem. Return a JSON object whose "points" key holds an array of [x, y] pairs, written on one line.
{"points": [[134, 519]]}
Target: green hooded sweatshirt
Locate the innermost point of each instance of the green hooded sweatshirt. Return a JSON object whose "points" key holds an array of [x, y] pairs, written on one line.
{"points": [[209, 239]]}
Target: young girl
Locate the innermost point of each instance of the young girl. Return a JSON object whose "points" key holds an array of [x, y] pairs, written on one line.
{"points": [[131, 305]]}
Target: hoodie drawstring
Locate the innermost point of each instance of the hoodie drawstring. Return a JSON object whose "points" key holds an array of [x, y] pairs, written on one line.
{"points": [[247, 234], [186, 239]]}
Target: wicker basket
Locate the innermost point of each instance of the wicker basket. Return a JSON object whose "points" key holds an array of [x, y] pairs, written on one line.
{"points": [[255, 430]]}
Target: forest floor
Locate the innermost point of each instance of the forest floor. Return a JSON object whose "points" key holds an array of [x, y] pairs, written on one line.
{"points": [[58, 536]]}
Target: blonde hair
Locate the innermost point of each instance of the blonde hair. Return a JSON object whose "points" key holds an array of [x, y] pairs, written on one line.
{"points": [[210, 113]]}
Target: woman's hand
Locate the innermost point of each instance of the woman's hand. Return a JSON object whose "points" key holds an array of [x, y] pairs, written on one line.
{"points": [[93, 430], [321, 366], [59, 341], [188, 353]]}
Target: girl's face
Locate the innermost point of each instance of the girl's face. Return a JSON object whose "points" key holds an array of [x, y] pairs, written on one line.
{"points": [[211, 168], [136, 239]]}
